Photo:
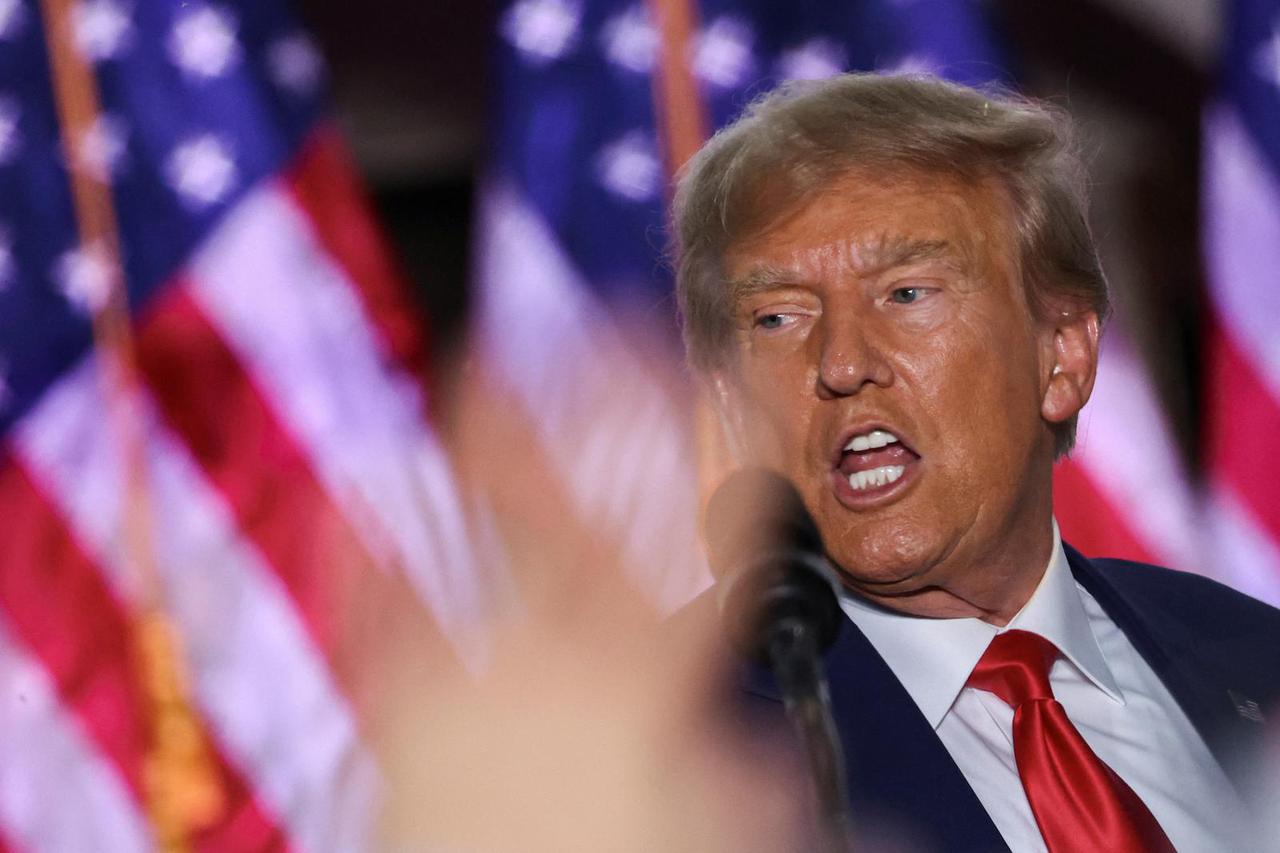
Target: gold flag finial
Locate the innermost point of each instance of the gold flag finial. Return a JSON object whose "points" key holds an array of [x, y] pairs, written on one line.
{"points": [[182, 789]]}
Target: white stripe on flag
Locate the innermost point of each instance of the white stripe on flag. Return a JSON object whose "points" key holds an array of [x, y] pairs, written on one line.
{"points": [[1243, 555], [299, 330], [1242, 240], [262, 686], [1123, 444], [623, 443], [57, 792]]}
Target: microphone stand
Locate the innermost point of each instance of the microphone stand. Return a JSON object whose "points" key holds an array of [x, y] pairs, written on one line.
{"points": [[779, 609], [793, 654]]}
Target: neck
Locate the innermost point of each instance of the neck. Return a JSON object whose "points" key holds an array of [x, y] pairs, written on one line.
{"points": [[992, 585]]}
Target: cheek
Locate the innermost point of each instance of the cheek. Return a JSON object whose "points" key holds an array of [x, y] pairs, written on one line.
{"points": [[778, 373], [978, 384], [778, 414]]}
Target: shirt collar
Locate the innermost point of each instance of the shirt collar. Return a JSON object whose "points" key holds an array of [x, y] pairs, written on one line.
{"points": [[1056, 612], [933, 657]]}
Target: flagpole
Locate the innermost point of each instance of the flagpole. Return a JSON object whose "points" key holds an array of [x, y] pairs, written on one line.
{"points": [[179, 781], [681, 114], [682, 118]]}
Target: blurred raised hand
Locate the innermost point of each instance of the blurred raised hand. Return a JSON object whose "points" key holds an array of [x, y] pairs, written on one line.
{"points": [[586, 721]]}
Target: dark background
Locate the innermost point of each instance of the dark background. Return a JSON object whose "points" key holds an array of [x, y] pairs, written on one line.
{"points": [[410, 83]]}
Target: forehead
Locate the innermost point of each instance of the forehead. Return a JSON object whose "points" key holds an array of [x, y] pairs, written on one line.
{"points": [[864, 221]]}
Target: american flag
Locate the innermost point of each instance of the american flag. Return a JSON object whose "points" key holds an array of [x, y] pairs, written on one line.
{"points": [[260, 419], [1126, 491], [1241, 212]]}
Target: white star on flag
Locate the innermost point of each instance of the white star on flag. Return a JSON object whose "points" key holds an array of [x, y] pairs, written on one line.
{"points": [[84, 276], [10, 137], [201, 170], [542, 30], [630, 167], [630, 39], [203, 42], [816, 59], [12, 18], [295, 64], [722, 56], [101, 148], [1266, 62], [102, 29]]}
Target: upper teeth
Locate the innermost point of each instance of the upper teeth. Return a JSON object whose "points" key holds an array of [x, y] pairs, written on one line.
{"points": [[869, 440]]}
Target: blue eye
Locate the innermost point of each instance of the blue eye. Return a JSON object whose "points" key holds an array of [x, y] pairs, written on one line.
{"points": [[769, 321], [906, 295]]}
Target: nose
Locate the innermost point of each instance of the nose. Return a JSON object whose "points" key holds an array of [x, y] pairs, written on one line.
{"points": [[849, 357]]}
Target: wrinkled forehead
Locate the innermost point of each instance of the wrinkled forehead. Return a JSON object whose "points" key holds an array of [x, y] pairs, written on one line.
{"points": [[755, 198], [865, 221]]}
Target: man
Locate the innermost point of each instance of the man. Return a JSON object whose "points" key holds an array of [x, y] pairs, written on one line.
{"points": [[890, 288]]}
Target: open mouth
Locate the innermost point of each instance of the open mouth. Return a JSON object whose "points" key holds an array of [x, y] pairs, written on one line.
{"points": [[873, 463]]}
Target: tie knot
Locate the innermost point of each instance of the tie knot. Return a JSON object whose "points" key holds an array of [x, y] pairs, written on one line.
{"points": [[1015, 667]]}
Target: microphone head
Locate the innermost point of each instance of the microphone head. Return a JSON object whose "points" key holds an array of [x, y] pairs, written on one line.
{"points": [[769, 561], [754, 510]]}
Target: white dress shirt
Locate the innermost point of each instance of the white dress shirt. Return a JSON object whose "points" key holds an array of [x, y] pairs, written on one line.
{"points": [[1111, 695]]}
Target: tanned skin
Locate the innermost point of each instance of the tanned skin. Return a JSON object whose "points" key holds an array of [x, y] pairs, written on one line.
{"points": [[896, 302]]}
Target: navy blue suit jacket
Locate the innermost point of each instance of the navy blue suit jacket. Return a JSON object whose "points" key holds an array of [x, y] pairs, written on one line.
{"points": [[1217, 651]]}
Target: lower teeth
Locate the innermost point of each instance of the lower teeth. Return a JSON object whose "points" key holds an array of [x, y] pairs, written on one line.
{"points": [[881, 476]]}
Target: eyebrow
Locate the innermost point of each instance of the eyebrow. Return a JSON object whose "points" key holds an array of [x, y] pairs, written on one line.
{"points": [[763, 278], [884, 254]]}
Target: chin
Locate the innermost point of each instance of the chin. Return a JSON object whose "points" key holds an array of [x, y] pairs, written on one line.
{"points": [[893, 560]]}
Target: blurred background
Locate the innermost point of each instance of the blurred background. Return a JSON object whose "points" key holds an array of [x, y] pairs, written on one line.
{"points": [[334, 336], [414, 90]]}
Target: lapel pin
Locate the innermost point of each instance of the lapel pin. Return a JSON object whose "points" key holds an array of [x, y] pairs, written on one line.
{"points": [[1246, 707]]}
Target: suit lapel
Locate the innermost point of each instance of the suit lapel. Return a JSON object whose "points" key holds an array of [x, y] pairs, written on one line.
{"points": [[1195, 682], [902, 781]]}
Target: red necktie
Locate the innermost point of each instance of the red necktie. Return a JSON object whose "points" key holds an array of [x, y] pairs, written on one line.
{"points": [[1079, 802]]}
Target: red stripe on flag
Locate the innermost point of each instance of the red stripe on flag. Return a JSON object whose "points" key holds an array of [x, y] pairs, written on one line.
{"points": [[242, 825], [324, 182], [1241, 427], [1088, 520], [62, 610], [348, 604]]}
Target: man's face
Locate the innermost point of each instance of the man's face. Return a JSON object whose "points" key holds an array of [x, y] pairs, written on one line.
{"points": [[888, 363]]}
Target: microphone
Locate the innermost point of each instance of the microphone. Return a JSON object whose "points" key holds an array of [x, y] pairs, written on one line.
{"points": [[779, 609], [768, 557]]}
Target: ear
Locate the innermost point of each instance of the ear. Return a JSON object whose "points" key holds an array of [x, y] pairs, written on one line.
{"points": [[1069, 364], [730, 408]]}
